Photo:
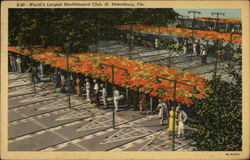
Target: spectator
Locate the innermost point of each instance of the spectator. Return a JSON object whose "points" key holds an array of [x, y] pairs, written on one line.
{"points": [[19, 63], [54, 84], [231, 34], [63, 83], [35, 77], [221, 54], [104, 95], [171, 120], [96, 89], [177, 45], [87, 85], [144, 43], [69, 85], [55, 80], [12, 59], [195, 49], [78, 88], [96, 86], [41, 66], [127, 37], [182, 118], [184, 47], [203, 57], [142, 103], [72, 82], [156, 43], [162, 107], [117, 97], [30, 73], [62, 78], [168, 109]]}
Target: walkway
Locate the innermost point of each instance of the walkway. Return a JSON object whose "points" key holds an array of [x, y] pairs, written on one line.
{"points": [[42, 121]]}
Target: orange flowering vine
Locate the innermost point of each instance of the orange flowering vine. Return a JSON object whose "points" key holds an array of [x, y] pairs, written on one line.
{"points": [[185, 32], [141, 76]]}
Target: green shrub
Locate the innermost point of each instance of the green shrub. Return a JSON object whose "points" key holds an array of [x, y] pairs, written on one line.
{"points": [[218, 118]]}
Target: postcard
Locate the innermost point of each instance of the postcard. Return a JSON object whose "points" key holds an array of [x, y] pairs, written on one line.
{"points": [[125, 80]]}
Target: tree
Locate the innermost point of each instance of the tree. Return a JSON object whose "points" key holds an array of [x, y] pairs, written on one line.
{"points": [[73, 29], [218, 118], [151, 16]]}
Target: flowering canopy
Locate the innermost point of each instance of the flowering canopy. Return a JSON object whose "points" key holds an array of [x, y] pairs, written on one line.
{"points": [[228, 20], [141, 75], [212, 35]]}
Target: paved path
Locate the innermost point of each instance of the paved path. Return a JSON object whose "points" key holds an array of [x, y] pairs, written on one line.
{"points": [[168, 58], [43, 121]]}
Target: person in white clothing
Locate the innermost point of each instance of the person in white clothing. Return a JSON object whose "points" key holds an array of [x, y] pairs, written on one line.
{"points": [[96, 86], [204, 57], [41, 69], [182, 118], [71, 77], [62, 77], [156, 43], [19, 62], [87, 85], [177, 45], [96, 89], [117, 97], [104, 95], [231, 34], [162, 107], [185, 48], [195, 49]]}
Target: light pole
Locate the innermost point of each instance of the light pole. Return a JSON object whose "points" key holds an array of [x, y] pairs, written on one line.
{"points": [[112, 67], [158, 25], [32, 70], [194, 91], [182, 17], [217, 18], [69, 101], [131, 39], [194, 12], [33, 76], [216, 26]]}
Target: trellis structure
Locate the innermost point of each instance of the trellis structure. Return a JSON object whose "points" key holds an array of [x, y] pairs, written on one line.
{"points": [[141, 75]]}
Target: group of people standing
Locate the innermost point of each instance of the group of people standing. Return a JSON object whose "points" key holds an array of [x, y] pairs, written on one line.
{"points": [[23, 64], [94, 91], [219, 49], [15, 62], [100, 90], [166, 112], [197, 47]]}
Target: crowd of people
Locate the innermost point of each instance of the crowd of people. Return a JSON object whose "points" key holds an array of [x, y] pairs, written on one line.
{"points": [[93, 90], [222, 27], [15, 63], [166, 113], [183, 45]]}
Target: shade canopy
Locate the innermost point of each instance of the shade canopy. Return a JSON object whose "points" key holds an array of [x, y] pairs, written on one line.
{"points": [[185, 32], [136, 76], [229, 20]]}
